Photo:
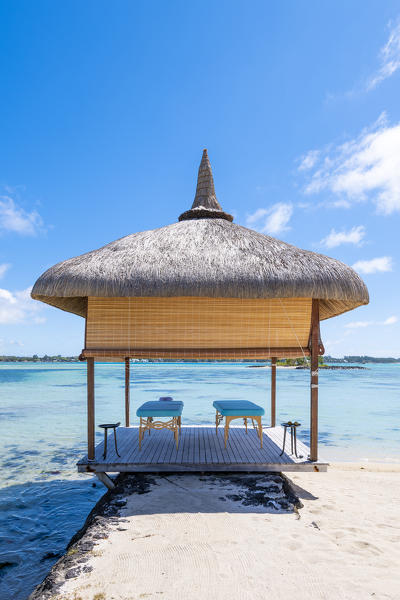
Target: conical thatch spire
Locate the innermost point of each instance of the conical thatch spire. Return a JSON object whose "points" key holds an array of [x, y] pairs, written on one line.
{"points": [[205, 191], [205, 204]]}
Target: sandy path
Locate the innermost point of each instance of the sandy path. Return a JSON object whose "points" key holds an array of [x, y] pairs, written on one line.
{"points": [[182, 542]]}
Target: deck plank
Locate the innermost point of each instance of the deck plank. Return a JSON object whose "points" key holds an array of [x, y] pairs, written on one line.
{"points": [[275, 444], [238, 447], [170, 451], [158, 446], [164, 446], [133, 447], [181, 447], [217, 456], [232, 447], [276, 437], [203, 446], [149, 447], [186, 448], [191, 447], [255, 453], [199, 449], [196, 447], [228, 452]]}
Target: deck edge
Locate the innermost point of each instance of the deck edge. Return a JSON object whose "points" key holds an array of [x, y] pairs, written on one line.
{"points": [[202, 467]]}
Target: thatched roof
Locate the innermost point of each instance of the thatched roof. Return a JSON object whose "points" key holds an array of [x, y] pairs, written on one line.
{"points": [[205, 255]]}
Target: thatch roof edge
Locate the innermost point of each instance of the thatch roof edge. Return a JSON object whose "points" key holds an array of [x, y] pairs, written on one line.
{"points": [[203, 258]]}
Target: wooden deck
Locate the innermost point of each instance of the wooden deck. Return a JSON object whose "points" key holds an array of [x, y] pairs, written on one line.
{"points": [[200, 449]]}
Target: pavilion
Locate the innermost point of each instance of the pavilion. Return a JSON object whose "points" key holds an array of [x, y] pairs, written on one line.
{"points": [[203, 288]]}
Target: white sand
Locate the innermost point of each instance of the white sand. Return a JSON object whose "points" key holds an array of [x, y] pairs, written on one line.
{"points": [[178, 544]]}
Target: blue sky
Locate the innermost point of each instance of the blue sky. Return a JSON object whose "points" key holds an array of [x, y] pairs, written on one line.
{"points": [[105, 109]]}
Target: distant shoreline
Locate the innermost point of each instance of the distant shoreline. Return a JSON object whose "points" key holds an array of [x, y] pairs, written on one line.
{"points": [[302, 368], [330, 362]]}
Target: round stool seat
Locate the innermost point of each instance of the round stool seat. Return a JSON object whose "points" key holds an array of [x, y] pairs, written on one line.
{"points": [[110, 425]]}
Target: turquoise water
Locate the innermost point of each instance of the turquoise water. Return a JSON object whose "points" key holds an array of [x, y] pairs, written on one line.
{"points": [[43, 501]]}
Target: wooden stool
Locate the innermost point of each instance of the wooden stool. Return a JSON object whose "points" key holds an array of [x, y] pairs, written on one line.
{"points": [[293, 438], [106, 427]]}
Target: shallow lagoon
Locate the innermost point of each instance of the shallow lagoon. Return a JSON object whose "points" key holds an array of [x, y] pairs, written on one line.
{"points": [[43, 501]]}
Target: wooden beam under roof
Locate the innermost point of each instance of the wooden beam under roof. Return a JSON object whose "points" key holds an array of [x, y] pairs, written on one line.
{"points": [[196, 353]]}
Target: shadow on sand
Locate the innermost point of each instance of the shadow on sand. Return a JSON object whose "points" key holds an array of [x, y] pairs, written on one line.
{"points": [[46, 515]]}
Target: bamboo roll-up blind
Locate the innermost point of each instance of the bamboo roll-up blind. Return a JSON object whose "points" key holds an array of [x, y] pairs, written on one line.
{"points": [[188, 324]]}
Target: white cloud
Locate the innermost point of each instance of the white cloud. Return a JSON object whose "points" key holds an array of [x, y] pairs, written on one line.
{"points": [[14, 343], [308, 160], [278, 218], [375, 265], [330, 344], [3, 269], [355, 236], [389, 63], [17, 220], [390, 320], [18, 307], [358, 324], [389, 57], [341, 203], [362, 324], [256, 216], [366, 167], [273, 220]]}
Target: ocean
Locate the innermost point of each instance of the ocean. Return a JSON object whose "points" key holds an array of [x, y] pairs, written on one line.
{"points": [[43, 500]]}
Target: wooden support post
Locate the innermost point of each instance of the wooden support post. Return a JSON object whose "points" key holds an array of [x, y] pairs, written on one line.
{"points": [[273, 392], [106, 480], [90, 407], [127, 391], [314, 380]]}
